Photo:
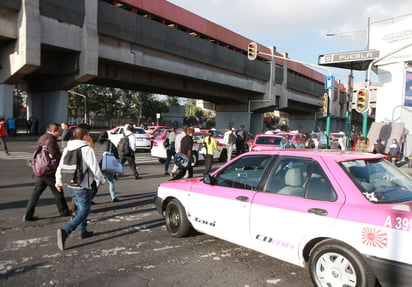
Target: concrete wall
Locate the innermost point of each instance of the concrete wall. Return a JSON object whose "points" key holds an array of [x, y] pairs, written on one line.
{"points": [[390, 100], [49, 107]]}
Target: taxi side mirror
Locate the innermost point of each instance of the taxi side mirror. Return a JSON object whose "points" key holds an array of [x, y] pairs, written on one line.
{"points": [[208, 179]]}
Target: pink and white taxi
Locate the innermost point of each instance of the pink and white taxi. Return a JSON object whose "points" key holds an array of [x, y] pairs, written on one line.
{"points": [[345, 216]]}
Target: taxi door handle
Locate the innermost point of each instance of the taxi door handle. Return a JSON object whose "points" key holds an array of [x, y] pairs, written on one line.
{"points": [[242, 198], [318, 211]]}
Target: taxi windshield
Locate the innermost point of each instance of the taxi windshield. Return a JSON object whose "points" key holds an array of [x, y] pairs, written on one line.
{"points": [[379, 180]]}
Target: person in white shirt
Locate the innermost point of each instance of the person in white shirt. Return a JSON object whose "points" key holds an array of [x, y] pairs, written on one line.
{"points": [[229, 139]]}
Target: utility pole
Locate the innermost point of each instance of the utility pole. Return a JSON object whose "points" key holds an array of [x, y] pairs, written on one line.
{"points": [[84, 97], [329, 82]]}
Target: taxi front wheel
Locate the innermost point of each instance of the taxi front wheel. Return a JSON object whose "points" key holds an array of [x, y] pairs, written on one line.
{"points": [[177, 223], [333, 263]]}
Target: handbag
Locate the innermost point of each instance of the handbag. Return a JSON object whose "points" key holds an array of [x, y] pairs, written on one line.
{"points": [[166, 142], [111, 164], [203, 149]]}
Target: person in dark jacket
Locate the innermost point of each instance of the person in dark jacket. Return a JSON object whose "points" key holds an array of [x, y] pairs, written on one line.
{"points": [[66, 134], [379, 147], [41, 182], [100, 146]]}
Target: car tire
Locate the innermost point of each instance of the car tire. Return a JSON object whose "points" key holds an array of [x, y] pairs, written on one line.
{"points": [[162, 160], [223, 156], [333, 263], [177, 223]]}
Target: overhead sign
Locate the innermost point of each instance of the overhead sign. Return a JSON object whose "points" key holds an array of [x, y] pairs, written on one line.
{"points": [[358, 60]]}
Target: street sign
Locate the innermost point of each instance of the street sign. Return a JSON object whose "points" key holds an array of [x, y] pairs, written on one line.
{"points": [[329, 82], [358, 60]]}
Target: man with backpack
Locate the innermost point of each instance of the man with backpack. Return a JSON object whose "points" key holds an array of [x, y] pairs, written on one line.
{"points": [[47, 142], [127, 148], [79, 185], [242, 137]]}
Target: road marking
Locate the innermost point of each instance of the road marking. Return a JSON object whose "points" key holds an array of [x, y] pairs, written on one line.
{"points": [[16, 155]]}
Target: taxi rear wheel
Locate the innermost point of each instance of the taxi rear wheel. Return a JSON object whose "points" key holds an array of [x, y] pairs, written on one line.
{"points": [[335, 264], [177, 223]]}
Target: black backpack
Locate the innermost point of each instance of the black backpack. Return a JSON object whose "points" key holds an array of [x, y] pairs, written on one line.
{"points": [[232, 138], [72, 168], [124, 146]]}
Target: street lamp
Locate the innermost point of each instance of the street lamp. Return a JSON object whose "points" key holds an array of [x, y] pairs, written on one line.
{"points": [[359, 33], [83, 96]]}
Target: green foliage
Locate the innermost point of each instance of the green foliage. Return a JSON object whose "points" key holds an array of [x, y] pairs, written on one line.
{"points": [[113, 104]]}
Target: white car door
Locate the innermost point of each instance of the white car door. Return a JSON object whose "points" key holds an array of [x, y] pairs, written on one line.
{"points": [[223, 209], [298, 200]]}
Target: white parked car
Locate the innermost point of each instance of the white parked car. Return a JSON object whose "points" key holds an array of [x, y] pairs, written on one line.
{"points": [[159, 151], [142, 139]]}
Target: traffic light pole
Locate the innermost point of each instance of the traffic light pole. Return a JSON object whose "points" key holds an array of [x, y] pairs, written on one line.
{"points": [[327, 129]]}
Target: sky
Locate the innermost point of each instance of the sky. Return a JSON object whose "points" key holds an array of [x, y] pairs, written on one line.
{"points": [[299, 27]]}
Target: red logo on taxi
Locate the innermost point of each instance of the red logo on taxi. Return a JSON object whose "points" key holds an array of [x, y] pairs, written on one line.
{"points": [[374, 237]]}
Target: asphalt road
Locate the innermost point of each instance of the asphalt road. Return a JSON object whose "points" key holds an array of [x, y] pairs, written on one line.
{"points": [[131, 246]]}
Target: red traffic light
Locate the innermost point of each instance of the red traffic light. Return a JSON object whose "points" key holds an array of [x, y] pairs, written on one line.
{"points": [[252, 51]]}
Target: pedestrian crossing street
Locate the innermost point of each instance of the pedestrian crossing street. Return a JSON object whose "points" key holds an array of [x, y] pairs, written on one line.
{"points": [[27, 156]]}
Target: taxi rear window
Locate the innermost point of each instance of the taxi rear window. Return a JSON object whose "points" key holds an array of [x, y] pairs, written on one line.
{"points": [[379, 181]]}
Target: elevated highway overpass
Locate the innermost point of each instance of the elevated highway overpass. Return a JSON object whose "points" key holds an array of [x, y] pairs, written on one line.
{"points": [[50, 46]]}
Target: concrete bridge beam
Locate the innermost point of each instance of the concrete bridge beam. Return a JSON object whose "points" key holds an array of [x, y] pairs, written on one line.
{"points": [[21, 56]]}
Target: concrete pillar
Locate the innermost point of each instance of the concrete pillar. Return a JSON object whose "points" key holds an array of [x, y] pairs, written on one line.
{"points": [[89, 56], [256, 123], [6, 100], [49, 107], [235, 119]]}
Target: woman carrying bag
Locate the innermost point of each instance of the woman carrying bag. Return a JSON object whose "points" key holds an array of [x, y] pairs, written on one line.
{"points": [[101, 146], [170, 148]]}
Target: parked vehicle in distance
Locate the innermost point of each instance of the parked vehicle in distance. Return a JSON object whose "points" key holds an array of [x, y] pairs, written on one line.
{"points": [[297, 139], [151, 129], [198, 138], [266, 142], [142, 139], [159, 151], [346, 216]]}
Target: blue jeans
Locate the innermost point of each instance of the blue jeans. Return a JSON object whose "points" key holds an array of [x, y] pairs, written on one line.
{"points": [[170, 151], [82, 197], [110, 180]]}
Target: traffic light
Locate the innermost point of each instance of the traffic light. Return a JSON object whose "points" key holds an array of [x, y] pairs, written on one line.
{"points": [[252, 51], [325, 105], [362, 100]]}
